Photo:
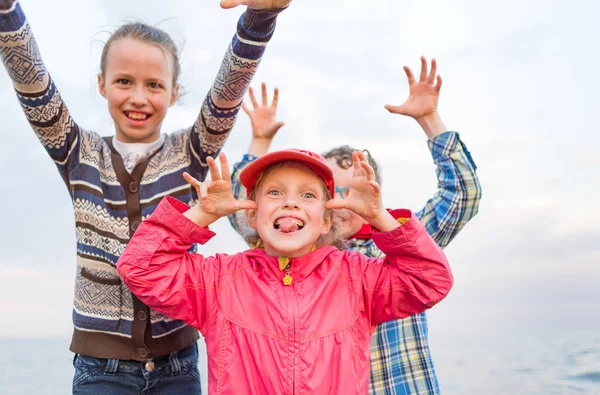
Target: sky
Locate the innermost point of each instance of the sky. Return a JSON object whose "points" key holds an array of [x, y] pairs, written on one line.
{"points": [[520, 86]]}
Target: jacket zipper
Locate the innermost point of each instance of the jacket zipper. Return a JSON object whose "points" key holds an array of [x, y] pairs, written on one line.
{"points": [[293, 308]]}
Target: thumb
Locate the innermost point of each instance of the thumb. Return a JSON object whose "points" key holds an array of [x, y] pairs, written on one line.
{"points": [[336, 204], [271, 131], [395, 109], [226, 4], [246, 205]]}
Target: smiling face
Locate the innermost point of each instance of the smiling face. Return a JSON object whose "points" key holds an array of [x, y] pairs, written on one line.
{"points": [[348, 222], [291, 213], [138, 83]]}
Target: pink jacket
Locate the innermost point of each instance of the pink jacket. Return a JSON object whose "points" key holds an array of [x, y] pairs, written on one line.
{"points": [[264, 337]]}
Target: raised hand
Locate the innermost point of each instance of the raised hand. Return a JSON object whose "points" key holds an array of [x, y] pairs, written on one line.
{"points": [[263, 117], [256, 4], [424, 95], [215, 196], [364, 197]]}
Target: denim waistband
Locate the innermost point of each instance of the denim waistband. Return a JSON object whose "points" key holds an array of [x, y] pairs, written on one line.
{"points": [[184, 357]]}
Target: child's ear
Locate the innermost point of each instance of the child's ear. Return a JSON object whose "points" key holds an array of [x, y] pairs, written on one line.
{"points": [[327, 222], [251, 218], [101, 86], [174, 95]]}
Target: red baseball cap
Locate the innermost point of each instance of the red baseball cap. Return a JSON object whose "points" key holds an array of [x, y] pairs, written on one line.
{"points": [[314, 161]]}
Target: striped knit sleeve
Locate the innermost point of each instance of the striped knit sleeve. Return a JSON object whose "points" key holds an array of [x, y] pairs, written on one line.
{"points": [[222, 104], [36, 92], [459, 190]]}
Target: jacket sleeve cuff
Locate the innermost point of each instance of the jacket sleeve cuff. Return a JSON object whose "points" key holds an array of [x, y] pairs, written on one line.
{"points": [[169, 214], [445, 144], [398, 238]]}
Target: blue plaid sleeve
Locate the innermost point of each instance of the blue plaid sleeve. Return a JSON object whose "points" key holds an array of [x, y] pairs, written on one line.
{"points": [[237, 219], [401, 360], [459, 190]]}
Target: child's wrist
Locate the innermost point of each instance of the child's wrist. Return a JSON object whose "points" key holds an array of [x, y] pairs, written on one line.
{"points": [[384, 222], [259, 146], [201, 219]]}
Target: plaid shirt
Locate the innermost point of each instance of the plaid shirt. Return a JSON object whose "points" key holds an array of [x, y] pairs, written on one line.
{"points": [[400, 357]]}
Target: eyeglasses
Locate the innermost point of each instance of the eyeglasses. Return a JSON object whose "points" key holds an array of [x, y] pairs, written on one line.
{"points": [[342, 191]]}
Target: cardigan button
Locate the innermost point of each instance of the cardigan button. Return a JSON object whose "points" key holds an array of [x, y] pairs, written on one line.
{"points": [[133, 187], [142, 315], [143, 352], [134, 225]]}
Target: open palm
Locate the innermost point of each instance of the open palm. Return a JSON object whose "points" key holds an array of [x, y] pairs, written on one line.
{"points": [[215, 197], [264, 116], [424, 95], [364, 197]]}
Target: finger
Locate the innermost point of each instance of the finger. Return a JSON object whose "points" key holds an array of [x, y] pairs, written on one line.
{"points": [[265, 101], [362, 156], [245, 205], [394, 109], [438, 86], [245, 108], [214, 170], [225, 173], [252, 98], [275, 98], [368, 169], [191, 180], [204, 190], [376, 187], [432, 72], [272, 130], [226, 4], [357, 169], [409, 75], [423, 69], [336, 203]]}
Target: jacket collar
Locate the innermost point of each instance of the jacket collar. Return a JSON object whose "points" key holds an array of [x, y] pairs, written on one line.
{"points": [[300, 267]]}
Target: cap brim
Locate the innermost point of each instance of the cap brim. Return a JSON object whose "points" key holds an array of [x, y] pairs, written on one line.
{"points": [[251, 172]]}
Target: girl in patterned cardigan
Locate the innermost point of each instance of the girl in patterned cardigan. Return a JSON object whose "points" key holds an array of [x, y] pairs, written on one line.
{"points": [[121, 345]]}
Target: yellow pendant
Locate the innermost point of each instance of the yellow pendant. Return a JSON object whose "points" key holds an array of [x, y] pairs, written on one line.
{"points": [[287, 280]]}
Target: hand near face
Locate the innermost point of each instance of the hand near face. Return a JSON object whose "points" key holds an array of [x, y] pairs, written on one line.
{"points": [[215, 196], [364, 196]]}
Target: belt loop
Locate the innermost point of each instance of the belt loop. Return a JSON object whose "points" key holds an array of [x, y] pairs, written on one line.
{"points": [[111, 367], [175, 365]]}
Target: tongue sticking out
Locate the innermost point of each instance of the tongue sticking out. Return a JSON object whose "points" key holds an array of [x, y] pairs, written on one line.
{"points": [[288, 225]]}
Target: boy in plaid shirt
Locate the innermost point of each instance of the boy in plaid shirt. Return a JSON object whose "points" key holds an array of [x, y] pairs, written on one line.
{"points": [[400, 358]]}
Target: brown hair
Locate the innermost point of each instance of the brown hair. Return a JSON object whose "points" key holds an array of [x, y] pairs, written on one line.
{"points": [[331, 238], [148, 35]]}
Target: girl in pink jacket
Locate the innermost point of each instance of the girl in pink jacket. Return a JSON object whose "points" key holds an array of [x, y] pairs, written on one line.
{"points": [[293, 315]]}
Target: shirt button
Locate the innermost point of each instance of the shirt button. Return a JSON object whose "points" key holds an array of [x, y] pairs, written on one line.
{"points": [[143, 352], [133, 187], [134, 225], [142, 315]]}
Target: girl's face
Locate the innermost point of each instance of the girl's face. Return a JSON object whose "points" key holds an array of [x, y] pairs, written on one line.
{"points": [[349, 222], [138, 85], [291, 210]]}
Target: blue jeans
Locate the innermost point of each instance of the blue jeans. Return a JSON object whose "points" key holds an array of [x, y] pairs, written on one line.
{"points": [[176, 373]]}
